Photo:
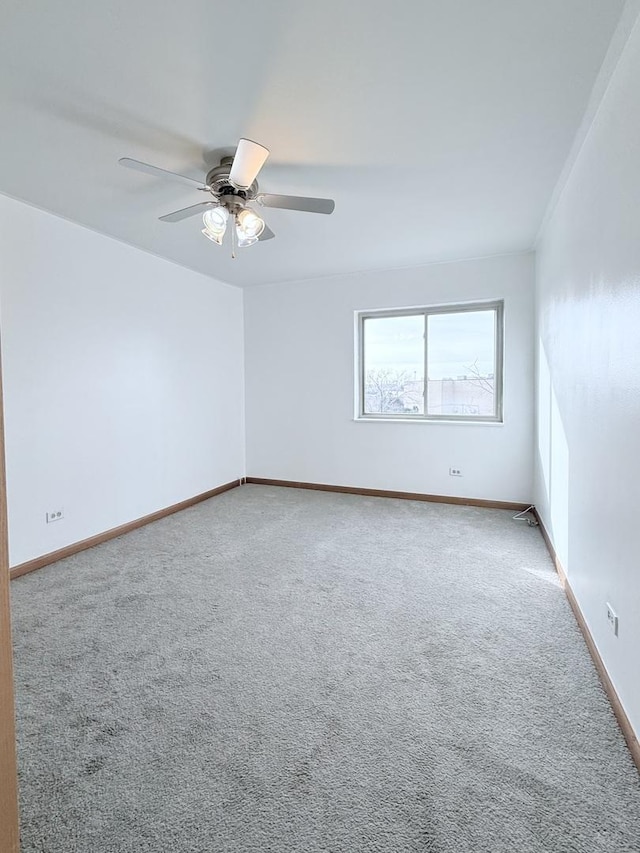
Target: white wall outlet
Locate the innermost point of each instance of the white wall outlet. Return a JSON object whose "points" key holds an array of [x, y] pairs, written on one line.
{"points": [[455, 472], [612, 618], [55, 515]]}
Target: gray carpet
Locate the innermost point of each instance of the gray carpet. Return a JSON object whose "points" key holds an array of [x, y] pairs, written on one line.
{"points": [[280, 670]]}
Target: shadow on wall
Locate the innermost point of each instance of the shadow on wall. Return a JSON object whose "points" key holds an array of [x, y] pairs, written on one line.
{"points": [[553, 456]]}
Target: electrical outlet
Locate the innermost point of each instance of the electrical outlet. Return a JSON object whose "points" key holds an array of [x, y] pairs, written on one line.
{"points": [[455, 472], [612, 618], [54, 515]]}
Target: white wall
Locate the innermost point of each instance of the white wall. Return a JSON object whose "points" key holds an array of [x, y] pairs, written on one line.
{"points": [[300, 386], [587, 477], [123, 380]]}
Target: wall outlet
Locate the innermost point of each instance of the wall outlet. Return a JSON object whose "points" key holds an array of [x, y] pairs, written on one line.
{"points": [[54, 515], [612, 618], [455, 472]]}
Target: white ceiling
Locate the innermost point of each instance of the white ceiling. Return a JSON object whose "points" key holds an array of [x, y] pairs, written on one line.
{"points": [[440, 128]]}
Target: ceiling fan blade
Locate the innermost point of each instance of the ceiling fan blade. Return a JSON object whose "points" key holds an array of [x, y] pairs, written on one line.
{"points": [[138, 166], [267, 234], [297, 202], [177, 215], [247, 162]]}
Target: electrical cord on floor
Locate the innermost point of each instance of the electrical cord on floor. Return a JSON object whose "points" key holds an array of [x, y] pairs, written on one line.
{"points": [[522, 516]]}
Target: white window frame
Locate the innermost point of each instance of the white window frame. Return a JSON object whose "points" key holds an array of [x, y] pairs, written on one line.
{"points": [[496, 305]]}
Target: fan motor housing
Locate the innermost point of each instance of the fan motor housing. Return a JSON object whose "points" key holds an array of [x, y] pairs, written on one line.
{"points": [[218, 182]]}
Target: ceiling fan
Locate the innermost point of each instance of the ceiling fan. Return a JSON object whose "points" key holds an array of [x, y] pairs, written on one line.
{"points": [[232, 185]]}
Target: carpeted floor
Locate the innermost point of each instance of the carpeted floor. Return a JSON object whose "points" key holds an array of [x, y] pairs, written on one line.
{"points": [[278, 670]]}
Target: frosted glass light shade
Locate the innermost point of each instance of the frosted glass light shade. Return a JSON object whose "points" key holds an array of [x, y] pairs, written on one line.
{"points": [[249, 224], [243, 242], [247, 162], [215, 224]]}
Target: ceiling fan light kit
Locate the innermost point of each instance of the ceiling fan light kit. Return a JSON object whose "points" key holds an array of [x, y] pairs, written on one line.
{"points": [[232, 184]]}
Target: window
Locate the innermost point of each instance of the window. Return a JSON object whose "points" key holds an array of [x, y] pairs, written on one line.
{"points": [[442, 363]]}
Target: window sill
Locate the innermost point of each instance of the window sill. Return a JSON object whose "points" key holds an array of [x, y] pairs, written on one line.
{"points": [[427, 421]]}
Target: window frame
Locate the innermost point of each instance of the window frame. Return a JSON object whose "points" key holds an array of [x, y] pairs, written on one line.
{"points": [[496, 305]]}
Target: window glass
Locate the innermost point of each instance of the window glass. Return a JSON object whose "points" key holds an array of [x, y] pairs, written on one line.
{"points": [[461, 358], [394, 365]]}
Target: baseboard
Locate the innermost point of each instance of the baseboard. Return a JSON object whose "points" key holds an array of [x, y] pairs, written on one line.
{"points": [[385, 493], [98, 539], [616, 705]]}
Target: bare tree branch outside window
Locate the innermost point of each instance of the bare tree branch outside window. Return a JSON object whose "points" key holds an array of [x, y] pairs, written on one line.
{"points": [[392, 391], [483, 382]]}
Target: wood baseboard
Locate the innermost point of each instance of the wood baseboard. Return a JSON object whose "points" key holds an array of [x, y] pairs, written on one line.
{"points": [[98, 539], [384, 493], [620, 714]]}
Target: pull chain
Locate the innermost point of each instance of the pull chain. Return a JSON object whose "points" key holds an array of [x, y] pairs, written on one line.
{"points": [[233, 237]]}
